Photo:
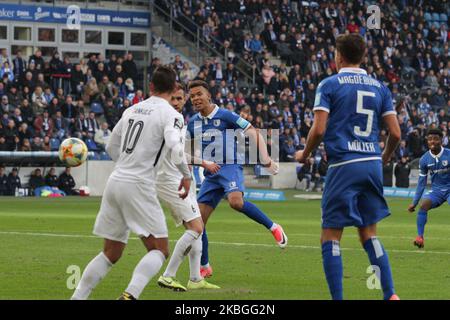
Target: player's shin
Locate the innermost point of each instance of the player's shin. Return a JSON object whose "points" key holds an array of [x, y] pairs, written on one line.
{"points": [[332, 265], [95, 271], [379, 258], [149, 265], [254, 213], [194, 260], [182, 248], [422, 217], [205, 256]]}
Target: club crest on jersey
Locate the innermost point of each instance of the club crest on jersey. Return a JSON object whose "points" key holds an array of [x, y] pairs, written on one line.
{"points": [[216, 123], [444, 163], [233, 184], [178, 124]]}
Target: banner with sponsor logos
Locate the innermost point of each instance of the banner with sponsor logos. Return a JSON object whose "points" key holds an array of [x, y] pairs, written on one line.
{"points": [[264, 195], [46, 14], [401, 192]]}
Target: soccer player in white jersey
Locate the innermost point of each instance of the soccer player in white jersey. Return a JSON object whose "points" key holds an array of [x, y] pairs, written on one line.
{"points": [[146, 132], [185, 212]]}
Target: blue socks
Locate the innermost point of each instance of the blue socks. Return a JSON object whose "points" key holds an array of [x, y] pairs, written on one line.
{"points": [[421, 221], [378, 257], [332, 265], [205, 258], [252, 211]]}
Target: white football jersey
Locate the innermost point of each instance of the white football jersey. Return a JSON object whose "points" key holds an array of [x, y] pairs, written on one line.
{"points": [[168, 173], [142, 138]]}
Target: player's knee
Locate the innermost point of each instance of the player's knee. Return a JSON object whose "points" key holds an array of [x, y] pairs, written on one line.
{"points": [[165, 252], [236, 204], [426, 205], [113, 255]]}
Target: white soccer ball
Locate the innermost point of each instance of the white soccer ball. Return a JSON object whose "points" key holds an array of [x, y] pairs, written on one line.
{"points": [[73, 152]]}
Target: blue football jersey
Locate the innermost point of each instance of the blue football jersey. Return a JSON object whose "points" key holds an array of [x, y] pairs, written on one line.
{"points": [[356, 104], [438, 166], [220, 134]]}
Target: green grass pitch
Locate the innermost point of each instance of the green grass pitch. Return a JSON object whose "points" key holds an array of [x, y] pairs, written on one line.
{"points": [[41, 238]]}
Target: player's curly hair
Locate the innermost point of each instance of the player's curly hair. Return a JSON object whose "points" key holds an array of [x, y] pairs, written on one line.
{"points": [[435, 131]]}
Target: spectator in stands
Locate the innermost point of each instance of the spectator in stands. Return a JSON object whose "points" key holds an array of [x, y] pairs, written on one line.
{"points": [[388, 171], [102, 136], [322, 170], [130, 68], [36, 145], [66, 183], [92, 125], [13, 182], [402, 171], [26, 145], [288, 150], [37, 60], [3, 182], [51, 179], [308, 172], [39, 101], [5, 105], [402, 151], [91, 92], [3, 144], [19, 65], [10, 135], [107, 89], [69, 112], [36, 180]]}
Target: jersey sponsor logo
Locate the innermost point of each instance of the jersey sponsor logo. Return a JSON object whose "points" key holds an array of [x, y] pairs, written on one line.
{"points": [[178, 124]]}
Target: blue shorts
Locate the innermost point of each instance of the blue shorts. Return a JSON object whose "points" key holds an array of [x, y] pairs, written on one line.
{"points": [[230, 178], [438, 197], [353, 195]]}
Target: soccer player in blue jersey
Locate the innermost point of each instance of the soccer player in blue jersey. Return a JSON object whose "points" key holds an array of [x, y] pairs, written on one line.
{"points": [[435, 162], [348, 111], [229, 181]]}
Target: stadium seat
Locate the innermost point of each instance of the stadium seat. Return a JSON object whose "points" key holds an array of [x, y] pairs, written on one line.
{"points": [[94, 156], [104, 156], [92, 146], [437, 24], [97, 108], [425, 32], [54, 144], [427, 17], [436, 17], [443, 17]]}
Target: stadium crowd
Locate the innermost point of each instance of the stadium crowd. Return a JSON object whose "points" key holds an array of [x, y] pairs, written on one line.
{"points": [[410, 54], [42, 102]]}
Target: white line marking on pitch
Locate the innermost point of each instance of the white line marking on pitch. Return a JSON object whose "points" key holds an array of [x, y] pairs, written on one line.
{"points": [[237, 244]]}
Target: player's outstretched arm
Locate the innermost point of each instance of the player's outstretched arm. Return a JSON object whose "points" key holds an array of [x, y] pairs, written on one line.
{"points": [[258, 140], [315, 135], [394, 136]]}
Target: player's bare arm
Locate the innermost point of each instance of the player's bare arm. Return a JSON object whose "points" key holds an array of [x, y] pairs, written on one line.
{"points": [[256, 137], [315, 135]]}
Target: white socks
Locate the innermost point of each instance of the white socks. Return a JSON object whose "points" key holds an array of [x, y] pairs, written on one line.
{"points": [[149, 265], [194, 260], [183, 247], [95, 271]]}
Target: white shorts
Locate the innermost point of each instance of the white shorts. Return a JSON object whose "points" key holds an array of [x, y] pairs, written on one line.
{"points": [[182, 210], [130, 206]]}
